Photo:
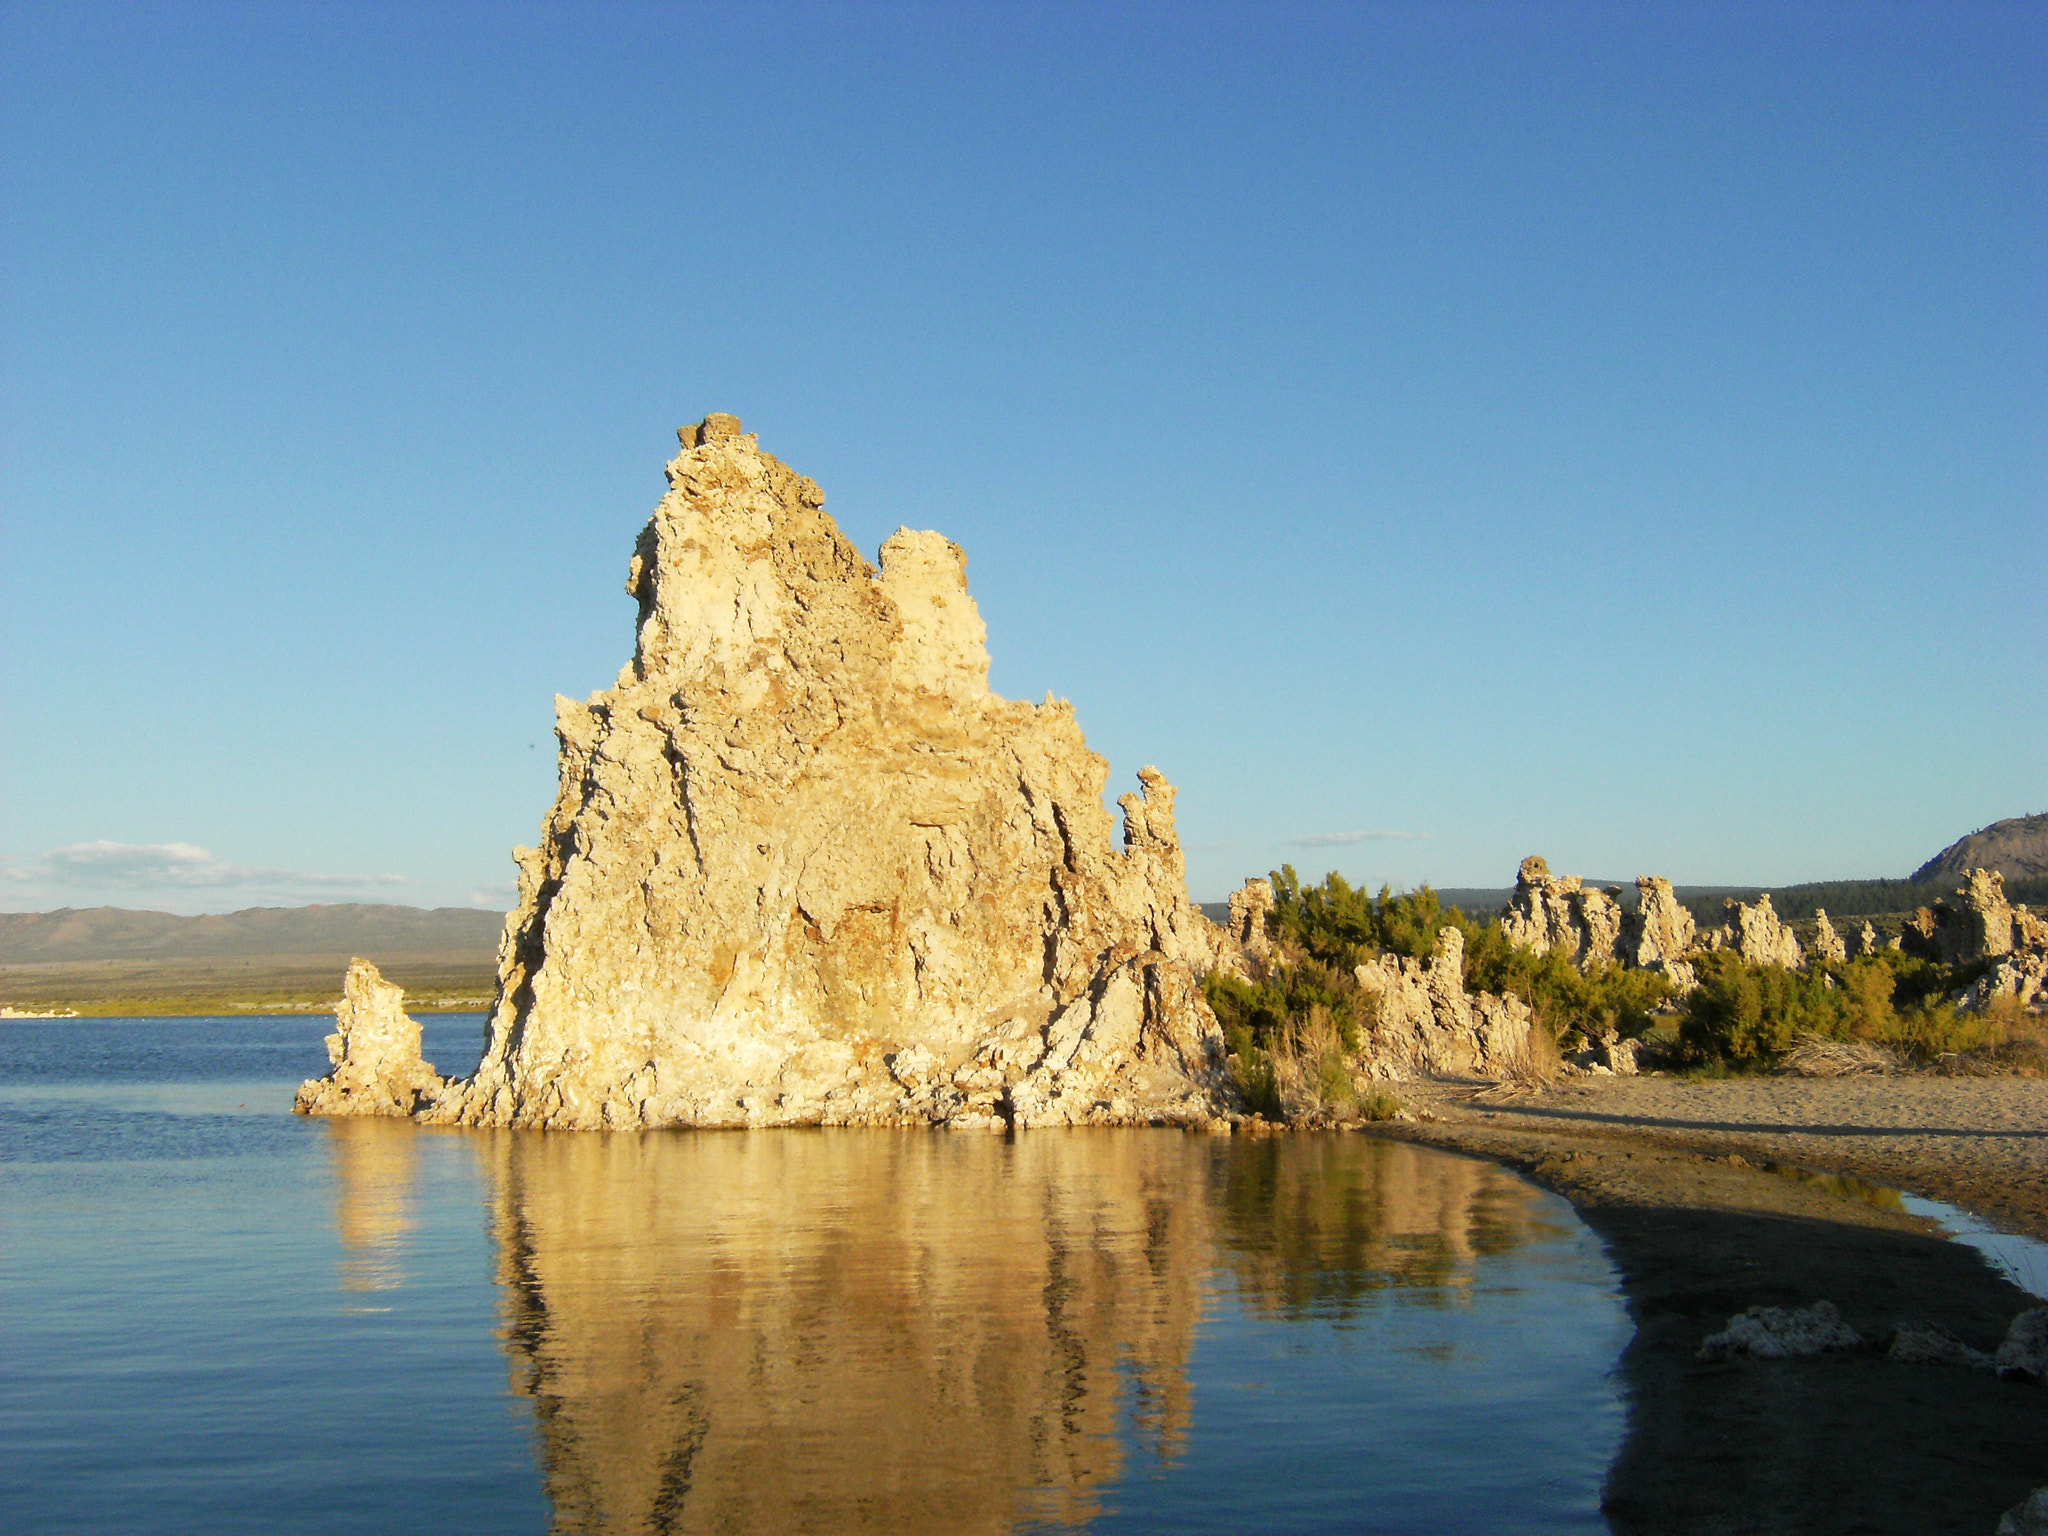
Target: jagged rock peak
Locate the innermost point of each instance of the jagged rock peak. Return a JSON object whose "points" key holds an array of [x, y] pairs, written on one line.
{"points": [[1829, 948], [804, 867], [1760, 938], [1250, 905], [375, 1051], [1551, 912]]}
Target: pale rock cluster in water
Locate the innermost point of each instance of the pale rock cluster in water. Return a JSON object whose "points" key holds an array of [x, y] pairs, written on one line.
{"points": [[375, 1049]]}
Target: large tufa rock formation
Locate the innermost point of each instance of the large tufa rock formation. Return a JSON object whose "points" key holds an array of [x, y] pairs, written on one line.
{"points": [[1660, 933], [1425, 1020], [1556, 912], [1977, 924], [1755, 933], [375, 1049], [805, 868]]}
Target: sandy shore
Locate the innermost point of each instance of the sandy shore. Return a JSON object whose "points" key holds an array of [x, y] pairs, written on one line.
{"points": [[1669, 1173]]}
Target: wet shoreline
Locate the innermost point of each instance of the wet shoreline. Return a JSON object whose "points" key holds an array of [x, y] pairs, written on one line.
{"points": [[1671, 1176]]}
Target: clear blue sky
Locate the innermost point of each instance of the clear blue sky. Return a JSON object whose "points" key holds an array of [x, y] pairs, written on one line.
{"points": [[1615, 432]]}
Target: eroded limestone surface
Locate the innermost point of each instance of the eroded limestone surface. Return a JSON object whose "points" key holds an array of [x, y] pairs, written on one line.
{"points": [[375, 1049], [1425, 1020], [804, 867], [1558, 913]]}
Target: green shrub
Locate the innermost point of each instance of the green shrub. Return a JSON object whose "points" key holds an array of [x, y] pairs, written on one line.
{"points": [[1380, 1104], [1748, 1015], [1341, 926], [1594, 1004]]}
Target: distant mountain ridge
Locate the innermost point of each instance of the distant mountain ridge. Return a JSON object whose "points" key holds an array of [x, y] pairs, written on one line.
{"points": [[2017, 847], [118, 933]]}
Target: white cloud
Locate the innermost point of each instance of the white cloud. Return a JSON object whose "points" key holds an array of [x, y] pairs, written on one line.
{"points": [[498, 897], [1344, 839], [158, 866]]}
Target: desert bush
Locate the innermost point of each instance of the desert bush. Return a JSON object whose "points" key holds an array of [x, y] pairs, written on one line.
{"points": [[1925, 1034], [1538, 1062], [1290, 1032], [1255, 1075], [1341, 926], [1748, 1015], [1745, 1016], [1380, 1104]]}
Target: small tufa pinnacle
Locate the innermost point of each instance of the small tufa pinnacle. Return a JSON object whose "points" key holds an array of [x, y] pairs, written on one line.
{"points": [[711, 429]]}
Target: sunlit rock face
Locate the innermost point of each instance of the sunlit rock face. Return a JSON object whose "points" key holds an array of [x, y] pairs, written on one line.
{"points": [[375, 1049], [1424, 1020], [1558, 913], [1760, 938], [871, 1331], [804, 867]]}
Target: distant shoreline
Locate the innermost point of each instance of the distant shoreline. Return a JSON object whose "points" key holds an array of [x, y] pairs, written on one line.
{"points": [[217, 1008]]}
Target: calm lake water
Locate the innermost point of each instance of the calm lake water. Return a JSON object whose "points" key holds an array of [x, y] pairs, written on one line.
{"points": [[220, 1316]]}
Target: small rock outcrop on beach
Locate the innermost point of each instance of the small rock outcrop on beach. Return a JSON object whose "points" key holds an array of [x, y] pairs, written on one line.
{"points": [[1926, 1344], [805, 868], [1559, 913], [1773, 1333], [2029, 1517], [1427, 1022], [375, 1049], [2024, 1353]]}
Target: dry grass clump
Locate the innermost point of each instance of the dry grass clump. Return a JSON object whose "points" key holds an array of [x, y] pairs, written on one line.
{"points": [[1817, 1056], [1538, 1063]]}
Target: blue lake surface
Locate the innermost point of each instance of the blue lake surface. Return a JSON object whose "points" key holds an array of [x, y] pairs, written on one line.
{"points": [[220, 1316]]}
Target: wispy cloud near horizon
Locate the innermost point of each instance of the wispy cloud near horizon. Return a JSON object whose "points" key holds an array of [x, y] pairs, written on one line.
{"points": [[106, 865], [1345, 839]]}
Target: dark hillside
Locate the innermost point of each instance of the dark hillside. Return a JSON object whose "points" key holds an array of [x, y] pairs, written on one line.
{"points": [[2017, 846]]}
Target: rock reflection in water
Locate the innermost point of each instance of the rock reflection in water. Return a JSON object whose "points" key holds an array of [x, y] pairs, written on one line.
{"points": [[903, 1331], [376, 1173], [1315, 1225]]}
